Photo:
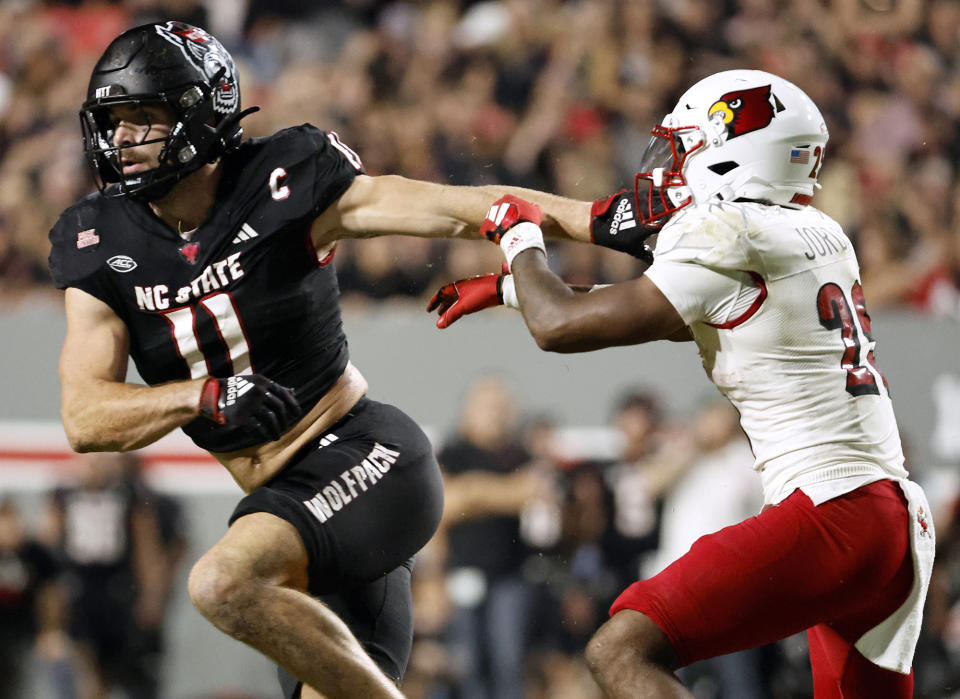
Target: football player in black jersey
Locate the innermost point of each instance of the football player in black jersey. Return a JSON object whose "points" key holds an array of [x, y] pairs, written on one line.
{"points": [[206, 259]]}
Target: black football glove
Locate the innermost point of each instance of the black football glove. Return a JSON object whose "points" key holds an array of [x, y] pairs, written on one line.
{"points": [[613, 224], [252, 403]]}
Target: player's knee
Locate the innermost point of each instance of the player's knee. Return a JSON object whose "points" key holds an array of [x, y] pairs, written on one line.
{"points": [[605, 645], [217, 590], [628, 637]]}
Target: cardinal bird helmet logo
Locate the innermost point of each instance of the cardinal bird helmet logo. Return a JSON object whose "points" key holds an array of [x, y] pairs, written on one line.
{"points": [[743, 111]]}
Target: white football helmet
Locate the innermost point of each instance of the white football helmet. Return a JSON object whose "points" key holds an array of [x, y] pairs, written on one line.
{"points": [[736, 134]]}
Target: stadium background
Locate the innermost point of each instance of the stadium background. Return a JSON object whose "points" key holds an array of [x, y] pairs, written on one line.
{"points": [[547, 94]]}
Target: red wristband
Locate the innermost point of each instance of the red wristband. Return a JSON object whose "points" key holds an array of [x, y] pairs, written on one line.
{"points": [[210, 401]]}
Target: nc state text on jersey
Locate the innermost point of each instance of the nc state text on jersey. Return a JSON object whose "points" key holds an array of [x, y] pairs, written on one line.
{"points": [[213, 277]]}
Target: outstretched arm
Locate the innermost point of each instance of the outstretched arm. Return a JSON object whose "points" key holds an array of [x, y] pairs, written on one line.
{"points": [[394, 205], [562, 320], [559, 318]]}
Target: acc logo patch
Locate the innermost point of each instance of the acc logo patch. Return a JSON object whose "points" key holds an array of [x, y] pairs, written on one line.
{"points": [[122, 264]]}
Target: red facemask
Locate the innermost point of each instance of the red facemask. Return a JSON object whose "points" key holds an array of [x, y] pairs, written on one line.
{"points": [[661, 167]]}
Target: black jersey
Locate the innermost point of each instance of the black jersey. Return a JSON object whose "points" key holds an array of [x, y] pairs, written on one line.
{"points": [[246, 293]]}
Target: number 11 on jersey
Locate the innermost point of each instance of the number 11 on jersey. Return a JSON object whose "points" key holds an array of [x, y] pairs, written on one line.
{"points": [[223, 311]]}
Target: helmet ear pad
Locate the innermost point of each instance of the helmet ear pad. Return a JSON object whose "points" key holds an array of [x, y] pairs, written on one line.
{"points": [[191, 142]]}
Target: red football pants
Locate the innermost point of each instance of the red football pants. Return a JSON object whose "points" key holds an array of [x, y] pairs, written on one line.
{"points": [[838, 569]]}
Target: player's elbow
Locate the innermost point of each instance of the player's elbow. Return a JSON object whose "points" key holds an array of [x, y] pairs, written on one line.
{"points": [[548, 341], [83, 443], [556, 343], [553, 334], [80, 440], [83, 436]]}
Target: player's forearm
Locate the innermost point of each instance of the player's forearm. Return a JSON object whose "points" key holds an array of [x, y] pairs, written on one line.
{"points": [[394, 205], [562, 320], [555, 313], [112, 416], [562, 217]]}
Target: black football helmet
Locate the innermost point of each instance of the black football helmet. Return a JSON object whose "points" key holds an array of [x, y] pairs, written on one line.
{"points": [[176, 65]]}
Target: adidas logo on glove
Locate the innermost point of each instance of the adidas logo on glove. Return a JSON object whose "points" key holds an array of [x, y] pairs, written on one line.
{"points": [[236, 387], [623, 218]]}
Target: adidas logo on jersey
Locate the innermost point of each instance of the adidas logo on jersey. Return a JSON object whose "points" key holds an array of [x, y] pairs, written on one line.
{"points": [[623, 217], [246, 233], [327, 439]]}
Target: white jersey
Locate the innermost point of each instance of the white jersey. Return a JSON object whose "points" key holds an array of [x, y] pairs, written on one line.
{"points": [[773, 299]]}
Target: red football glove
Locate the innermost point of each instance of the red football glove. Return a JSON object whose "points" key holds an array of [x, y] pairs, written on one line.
{"points": [[465, 296], [506, 212]]}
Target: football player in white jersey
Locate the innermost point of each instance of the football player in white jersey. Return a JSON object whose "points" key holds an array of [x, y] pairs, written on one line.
{"points": [[769, 289]]}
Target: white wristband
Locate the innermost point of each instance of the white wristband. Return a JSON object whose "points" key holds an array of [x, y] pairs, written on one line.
{"points": [[523, 236], [508, 291]]}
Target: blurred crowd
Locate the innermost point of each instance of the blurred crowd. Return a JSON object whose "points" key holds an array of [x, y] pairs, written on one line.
{"points": [[552, 94], [85, 591], [533, 547]]}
